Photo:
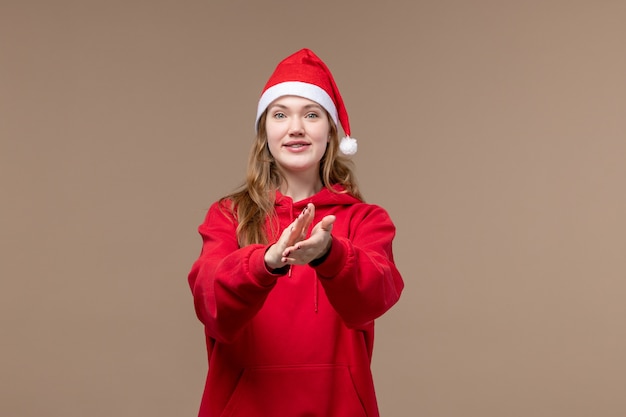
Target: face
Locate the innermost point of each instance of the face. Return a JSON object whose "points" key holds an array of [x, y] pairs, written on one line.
{"points": [[297, 134]]}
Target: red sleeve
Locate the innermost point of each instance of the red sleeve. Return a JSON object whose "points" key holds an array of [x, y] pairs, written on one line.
{"points": [[359, 275], [229, 284]]}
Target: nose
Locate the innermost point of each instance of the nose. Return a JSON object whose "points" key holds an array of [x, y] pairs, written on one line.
{"points": [[296, 127]]}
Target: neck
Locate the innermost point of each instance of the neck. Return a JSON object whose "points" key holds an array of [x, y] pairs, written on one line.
{"points": [[300, 187]]}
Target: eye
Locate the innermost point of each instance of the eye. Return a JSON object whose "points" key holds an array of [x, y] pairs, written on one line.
{"points": [[279, 115], [312, 115]]}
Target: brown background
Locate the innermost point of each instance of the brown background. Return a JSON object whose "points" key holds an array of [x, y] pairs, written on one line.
{"points": [[492, 131]]}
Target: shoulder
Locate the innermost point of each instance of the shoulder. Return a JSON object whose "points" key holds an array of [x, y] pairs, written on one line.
{"points": [[221, 210], [362, 213], [373, 214], [368, 208]]}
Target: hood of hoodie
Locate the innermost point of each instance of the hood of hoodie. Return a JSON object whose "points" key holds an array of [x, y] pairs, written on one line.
{"points": [[325, 197]]}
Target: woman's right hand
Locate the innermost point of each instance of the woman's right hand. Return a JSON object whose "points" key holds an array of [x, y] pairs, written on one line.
{"points": [[294, 233]]}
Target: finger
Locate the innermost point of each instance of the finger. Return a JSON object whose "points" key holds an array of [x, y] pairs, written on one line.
{"points": [[296, 259], [308, 215], [295, 230], [327, 223], [292, 249], [287, 236], [290, 255]]}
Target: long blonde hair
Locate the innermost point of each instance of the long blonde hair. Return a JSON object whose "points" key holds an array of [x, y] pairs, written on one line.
{"points": [[253, 203]]}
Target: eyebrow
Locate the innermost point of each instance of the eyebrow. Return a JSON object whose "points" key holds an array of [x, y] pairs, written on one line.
{"points": [[306, 107]]}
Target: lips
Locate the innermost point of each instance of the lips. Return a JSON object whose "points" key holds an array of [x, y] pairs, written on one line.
{"points": [[296, 144]]}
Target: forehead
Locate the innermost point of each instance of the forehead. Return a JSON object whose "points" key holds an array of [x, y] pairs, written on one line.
{"points": [[294, 102]]}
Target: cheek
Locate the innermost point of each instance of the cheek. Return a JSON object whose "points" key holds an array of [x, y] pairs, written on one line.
{"points": [[272, 135], [324, 131], [322, 134], [275, 132], [274, 138]]}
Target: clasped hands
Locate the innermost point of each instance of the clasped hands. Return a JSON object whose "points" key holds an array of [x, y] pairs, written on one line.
{"points": [[294, 248]]}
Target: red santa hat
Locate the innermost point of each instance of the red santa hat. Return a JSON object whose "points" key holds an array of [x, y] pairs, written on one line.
{"points": [[303, 74]]}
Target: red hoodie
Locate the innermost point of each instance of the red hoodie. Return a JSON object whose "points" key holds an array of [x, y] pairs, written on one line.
{"points": [[298, 344]]}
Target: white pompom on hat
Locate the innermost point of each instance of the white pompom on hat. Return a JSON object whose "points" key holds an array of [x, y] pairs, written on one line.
{"points": [[303, 74]]}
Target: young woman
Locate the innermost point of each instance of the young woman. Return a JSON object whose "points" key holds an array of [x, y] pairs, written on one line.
{"points": [[294, 267]]}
